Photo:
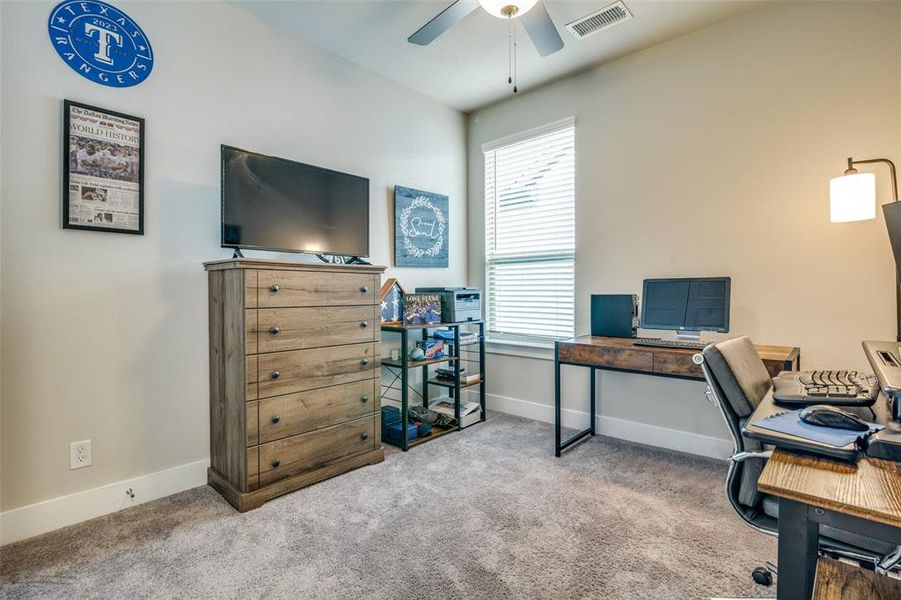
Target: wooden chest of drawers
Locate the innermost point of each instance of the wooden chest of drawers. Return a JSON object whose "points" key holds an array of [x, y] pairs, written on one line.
{"points": [[294, 368]]}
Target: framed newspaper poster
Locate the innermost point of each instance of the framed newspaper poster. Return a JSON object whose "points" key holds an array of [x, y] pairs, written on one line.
{"points": [[103, 170]]}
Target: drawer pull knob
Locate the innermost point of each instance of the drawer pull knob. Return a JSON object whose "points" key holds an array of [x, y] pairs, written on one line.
{"points": [[275, 330], [275, 419], [275, 464], [274, 374], [364, 324], [364, 288], [364, 436], [274, 288], [364, 399], [364, 362]]}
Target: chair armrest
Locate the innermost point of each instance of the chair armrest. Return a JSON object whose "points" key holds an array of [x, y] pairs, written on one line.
{"points": [[743, 456]]}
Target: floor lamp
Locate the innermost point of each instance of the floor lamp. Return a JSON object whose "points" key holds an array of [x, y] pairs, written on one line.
{"points": [[852, 197]]}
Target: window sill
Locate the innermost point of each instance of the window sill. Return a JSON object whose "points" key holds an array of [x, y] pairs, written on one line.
{"points": [[537, 350]]}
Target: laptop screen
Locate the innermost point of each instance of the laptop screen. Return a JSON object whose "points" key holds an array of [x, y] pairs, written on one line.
{"points": [[892, 212]]}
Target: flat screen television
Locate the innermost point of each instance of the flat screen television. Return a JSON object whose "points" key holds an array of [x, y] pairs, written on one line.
{"points": [[271, 203]]}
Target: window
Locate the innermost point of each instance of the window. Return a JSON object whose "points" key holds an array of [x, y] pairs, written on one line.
{"points": [[530, 237]]}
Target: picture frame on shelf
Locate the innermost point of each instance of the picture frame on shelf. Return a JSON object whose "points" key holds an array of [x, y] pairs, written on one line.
{"points": [[391, 299], [422, 309]]}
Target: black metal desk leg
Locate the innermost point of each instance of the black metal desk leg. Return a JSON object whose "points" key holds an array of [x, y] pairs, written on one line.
{"points": [[556, 400], [593, 410], [798, 542], [559, 445]]}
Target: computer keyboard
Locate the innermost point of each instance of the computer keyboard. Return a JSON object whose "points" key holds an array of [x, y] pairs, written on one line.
{"points": [[826, 387], [661, 343]]}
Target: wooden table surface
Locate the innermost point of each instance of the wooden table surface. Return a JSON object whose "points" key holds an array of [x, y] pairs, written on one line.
{"points": [[869, 489], [622, 354], [765, 350]]}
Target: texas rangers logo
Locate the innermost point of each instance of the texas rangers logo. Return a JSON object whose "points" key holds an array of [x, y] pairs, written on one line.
{"points": [[100, 42]]}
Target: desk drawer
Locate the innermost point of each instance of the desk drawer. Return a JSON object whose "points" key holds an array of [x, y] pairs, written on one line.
{"points": [[307, 451], [308, 288], [299, 370], [277, 329], [284, 416], [611, 357], [672, 363]]}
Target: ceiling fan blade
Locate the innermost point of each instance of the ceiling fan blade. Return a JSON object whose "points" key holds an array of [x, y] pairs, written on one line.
{"points": [[446, 19], [541, 29]]}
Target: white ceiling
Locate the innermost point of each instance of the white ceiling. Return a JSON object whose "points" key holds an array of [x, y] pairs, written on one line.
{"points": [[466, 67]]}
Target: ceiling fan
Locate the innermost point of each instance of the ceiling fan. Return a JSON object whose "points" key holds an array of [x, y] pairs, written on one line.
{"points": [[534, 16]]}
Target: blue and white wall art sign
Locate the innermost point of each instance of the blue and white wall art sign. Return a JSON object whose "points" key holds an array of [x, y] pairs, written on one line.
{"points": [[100, 42], [420, 228]]}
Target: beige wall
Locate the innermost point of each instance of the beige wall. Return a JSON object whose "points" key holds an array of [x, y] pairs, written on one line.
{"points": [[104, 335], [711, 155], [706, 155]]}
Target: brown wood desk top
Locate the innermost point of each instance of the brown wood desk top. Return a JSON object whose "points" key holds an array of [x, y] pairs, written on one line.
{"points": [[870, 489], [622, 354]]}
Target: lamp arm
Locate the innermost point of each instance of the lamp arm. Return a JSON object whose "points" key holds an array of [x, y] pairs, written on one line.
{"points": [[891, 165], [851, 170]]}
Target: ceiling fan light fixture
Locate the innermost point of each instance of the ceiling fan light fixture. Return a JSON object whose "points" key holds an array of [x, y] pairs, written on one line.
{"points": [[507, 9]]}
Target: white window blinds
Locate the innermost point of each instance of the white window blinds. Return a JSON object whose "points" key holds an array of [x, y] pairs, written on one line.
{"points": [[530, 236]]}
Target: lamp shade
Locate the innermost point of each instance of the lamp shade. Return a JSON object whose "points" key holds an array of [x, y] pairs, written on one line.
{"points": [[496, 7], [852, 197]]}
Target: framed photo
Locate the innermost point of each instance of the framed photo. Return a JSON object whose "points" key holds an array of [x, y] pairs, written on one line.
{"points": [[422, 309], [103, 170], [420, 228]]}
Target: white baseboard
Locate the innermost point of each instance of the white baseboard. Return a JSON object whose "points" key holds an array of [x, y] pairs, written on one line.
{"points": [[41, 517], [653, 435]]}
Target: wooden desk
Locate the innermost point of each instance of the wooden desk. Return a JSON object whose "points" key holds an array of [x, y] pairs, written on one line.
{"points": [[620, 354], [863, 497]]}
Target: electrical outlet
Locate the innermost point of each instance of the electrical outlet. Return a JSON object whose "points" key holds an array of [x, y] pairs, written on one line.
{"points": [[80, 454]]}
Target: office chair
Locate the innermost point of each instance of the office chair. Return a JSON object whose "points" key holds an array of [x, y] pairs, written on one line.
{"points": [[737, 381]]}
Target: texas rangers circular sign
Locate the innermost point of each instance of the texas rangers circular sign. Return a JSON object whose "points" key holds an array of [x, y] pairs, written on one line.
{"points": [[100, 42]]}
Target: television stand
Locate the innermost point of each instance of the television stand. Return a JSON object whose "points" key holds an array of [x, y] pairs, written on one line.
{"points": [[337, 259], [237, 253]]}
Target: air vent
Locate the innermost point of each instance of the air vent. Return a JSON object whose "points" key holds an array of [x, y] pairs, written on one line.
{"points": [[605, 18]]}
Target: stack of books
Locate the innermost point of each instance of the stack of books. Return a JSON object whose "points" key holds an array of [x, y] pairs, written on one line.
{"points": [[447, 374], [470, 412]]}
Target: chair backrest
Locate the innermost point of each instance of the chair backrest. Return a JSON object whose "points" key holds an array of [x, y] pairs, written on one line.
{"points": [[738, 378], [740, 373]]}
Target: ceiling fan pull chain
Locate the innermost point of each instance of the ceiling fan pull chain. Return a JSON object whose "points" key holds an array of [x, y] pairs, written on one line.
{"points": [[514, 61], [509, 51]]}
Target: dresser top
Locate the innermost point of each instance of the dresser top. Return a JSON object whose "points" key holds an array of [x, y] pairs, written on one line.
{"points": [[286, 265]]}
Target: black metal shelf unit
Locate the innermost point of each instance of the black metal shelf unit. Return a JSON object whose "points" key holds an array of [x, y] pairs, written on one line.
{"points": [[400, 369]]}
